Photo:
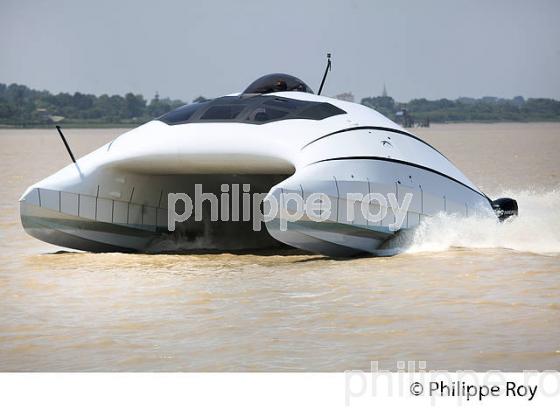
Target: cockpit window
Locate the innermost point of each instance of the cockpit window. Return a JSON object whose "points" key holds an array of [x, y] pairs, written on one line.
{"points": [[264, 114], [182, 114], [251, 109], [320, 111], [285, 103], [223, 112]]}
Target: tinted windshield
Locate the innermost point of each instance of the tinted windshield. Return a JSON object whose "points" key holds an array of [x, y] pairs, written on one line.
{"points": [[255, 109]]}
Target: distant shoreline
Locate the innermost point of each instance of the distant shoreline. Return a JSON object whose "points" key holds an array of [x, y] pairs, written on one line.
{"points": [[71, 126], [134, 125], [22, 107]]}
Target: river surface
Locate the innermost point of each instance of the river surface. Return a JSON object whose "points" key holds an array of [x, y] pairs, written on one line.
{"points": [[467, 294]]}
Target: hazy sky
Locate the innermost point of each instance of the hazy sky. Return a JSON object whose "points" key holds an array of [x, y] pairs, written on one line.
{"points": [[186, 48]]}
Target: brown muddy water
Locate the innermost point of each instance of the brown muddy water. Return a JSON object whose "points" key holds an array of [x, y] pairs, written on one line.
{"points": [[468, 294]]}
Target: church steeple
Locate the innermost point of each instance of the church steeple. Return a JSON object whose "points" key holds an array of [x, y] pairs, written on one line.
{"points": [[384, 93]]}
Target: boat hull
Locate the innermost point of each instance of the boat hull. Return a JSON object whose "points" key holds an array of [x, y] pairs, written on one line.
{"points": [[118, 197], [408, 194]]}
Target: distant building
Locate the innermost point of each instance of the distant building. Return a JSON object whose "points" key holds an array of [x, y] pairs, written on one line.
{"points": [[404, 118], [348, 96], [384, 92], [44, 116]]}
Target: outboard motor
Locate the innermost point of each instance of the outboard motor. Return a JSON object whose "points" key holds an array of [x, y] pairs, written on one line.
{"points": [[504, 208]]}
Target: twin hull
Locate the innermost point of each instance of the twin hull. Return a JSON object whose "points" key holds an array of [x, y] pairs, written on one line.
{"points": [[116, 198], [129, 211]]}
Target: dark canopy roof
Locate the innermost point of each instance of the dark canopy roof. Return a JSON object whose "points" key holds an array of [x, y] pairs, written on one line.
{"points": [[272, 83]]}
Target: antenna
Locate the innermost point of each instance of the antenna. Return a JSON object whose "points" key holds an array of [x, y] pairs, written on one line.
{"points": [[327, 69], [66, 144]]}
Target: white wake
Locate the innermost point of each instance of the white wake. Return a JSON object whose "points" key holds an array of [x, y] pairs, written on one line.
{"points": [[536, 229]]}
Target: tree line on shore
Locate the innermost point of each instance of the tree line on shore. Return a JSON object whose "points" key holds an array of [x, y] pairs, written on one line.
{"points": [[22, 106], [485, 109]]}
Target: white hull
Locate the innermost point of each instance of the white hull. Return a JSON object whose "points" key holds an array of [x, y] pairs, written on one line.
{"points": [[116, 197]]}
